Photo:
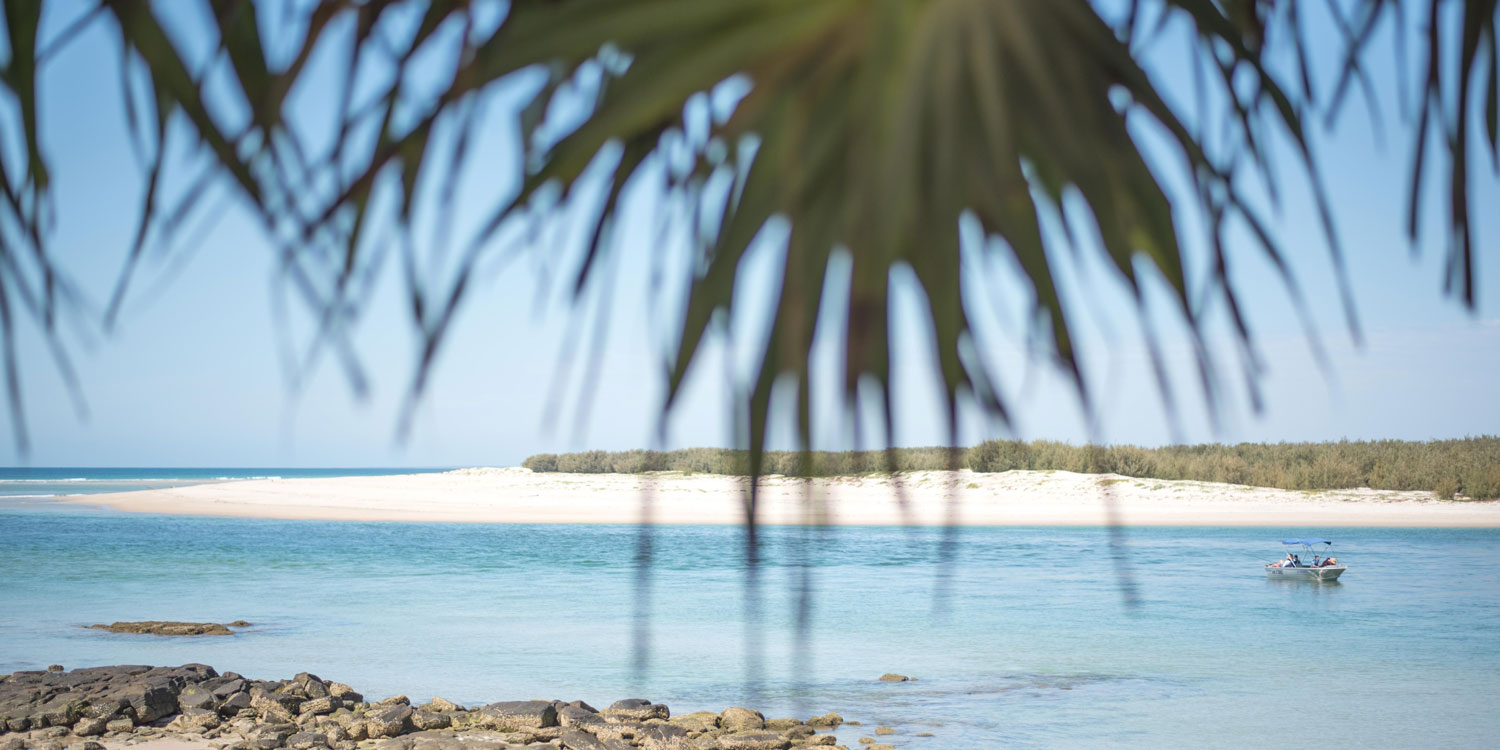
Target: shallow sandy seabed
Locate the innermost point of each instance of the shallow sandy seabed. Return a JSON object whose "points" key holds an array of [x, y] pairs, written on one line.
{"points": [[967, 498]]}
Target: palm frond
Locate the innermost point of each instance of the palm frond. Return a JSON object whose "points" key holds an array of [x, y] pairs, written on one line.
{"points": [[872, 128]]}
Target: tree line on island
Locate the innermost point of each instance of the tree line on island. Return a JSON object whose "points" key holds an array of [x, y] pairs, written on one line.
{"points": [[1449, 468]]}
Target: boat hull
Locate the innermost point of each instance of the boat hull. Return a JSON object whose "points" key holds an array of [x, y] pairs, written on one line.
{"points": [[1329, 573]]}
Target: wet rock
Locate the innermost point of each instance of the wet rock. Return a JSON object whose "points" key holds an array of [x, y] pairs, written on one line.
{"points": [[737, 719], [828, 720], [801, 731], [54, 667], [240, 624], [516, 715], [636, 709], [817, 740], [753, 741], [781, 725], [893, 677], [163, 627]]}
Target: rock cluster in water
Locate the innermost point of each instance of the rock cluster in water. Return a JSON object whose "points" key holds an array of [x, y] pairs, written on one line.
{"points": [[57, 710], [161, 627]]}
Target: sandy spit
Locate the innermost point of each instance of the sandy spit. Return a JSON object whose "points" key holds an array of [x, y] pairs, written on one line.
{"points": [[515, 495]]}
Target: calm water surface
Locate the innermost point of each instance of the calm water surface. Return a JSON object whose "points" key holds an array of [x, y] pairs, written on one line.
{"points": [[1028, 641]]}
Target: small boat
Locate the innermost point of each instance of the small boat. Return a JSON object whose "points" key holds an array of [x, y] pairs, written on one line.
{"points": [[1306, 571]]}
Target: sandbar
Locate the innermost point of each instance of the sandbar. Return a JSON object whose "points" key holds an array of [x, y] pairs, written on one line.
{"points": [[1013, 498]]}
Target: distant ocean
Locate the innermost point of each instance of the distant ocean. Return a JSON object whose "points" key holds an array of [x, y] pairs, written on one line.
{"points": [[1026, 640], [18, 482]]}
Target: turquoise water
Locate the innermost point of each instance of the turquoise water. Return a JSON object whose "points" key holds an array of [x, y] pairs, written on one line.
{"points": [[1033, 645], [19, 483]]}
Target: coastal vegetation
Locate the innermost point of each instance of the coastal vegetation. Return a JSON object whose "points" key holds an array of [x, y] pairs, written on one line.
{"points": [[1469, 466]]}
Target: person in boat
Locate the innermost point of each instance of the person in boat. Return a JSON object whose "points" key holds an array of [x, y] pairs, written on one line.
{"points": [[1316, 562], [1330, 561], [1297, 562]]}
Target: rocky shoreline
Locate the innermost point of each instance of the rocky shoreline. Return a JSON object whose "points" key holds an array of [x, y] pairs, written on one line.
{"points": [[127, 705]]}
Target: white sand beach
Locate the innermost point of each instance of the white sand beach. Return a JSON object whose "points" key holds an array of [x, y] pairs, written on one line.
{"points": [[515, 495]]}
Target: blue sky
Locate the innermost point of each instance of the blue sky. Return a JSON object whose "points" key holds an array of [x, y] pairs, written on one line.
{"points": [[195, 372]]}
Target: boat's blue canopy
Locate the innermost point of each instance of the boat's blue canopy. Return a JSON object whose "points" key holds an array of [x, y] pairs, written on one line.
{"points": [[1305, 542]]}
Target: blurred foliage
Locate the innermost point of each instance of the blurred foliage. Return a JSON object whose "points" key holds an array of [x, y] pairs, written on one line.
{"points": [[737, 462], [877, 128], [1470, 466]]}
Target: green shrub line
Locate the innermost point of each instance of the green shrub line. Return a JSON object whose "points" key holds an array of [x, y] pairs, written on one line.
{"points": [[1449, 468]]}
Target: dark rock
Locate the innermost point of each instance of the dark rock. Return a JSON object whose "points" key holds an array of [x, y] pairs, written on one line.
{"points": [[753, 741], [389, 722], [344, 692], [232, 686], [801, 731], [54, 667], [90, 745], [60, 710], [193, 696], [306, 740], [826, 720], [584, 706], [636, 709], [235, 703], [240, 624], [510, 716], [574, 739], [162, 627], [149, 702], [574, 716], [663, 737]]}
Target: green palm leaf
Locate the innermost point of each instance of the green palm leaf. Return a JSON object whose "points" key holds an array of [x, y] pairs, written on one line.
{"points": [[873, 128]]}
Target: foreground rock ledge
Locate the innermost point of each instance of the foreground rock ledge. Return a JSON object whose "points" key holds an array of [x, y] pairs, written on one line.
{"points": [[54, 710]]}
